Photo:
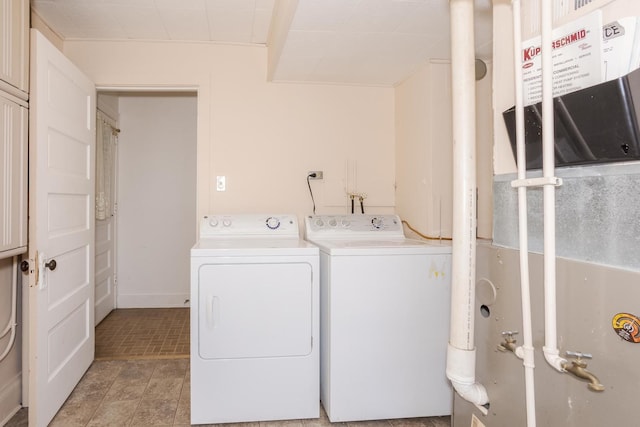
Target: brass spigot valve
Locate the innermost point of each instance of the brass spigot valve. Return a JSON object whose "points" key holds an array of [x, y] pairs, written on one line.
{"points": [[578, 368], [509, 343]]}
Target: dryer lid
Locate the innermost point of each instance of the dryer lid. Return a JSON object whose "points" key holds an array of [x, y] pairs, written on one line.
{"points": [[250, 246]]}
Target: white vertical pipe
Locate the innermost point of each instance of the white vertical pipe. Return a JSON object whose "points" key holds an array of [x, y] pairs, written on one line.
{"points": [[461, 356], [527, 334], [464, 170], [550, 348]]}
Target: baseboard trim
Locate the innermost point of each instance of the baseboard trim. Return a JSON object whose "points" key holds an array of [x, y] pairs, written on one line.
{"points": [[153, 301]]}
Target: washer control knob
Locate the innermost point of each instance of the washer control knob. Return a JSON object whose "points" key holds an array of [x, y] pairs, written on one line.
{"points": [[319, 222], [273, 222], [345, 223], [333, 222], [213, 222], [377, 223], [226, 222]]}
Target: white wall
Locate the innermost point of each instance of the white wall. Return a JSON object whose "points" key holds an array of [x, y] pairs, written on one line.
{"points": [[503, 95], [424, 149], [156, 199], [263, 137], [424, 144], [413, 177]]}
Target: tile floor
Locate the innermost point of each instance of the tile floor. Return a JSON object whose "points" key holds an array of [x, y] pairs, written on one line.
{"points": [[157, 393], [129, 393], [143, 333], [128, 385]]}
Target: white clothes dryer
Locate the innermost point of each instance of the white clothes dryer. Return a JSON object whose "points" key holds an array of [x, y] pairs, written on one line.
{"points": [[384, 319], [254, 321]]}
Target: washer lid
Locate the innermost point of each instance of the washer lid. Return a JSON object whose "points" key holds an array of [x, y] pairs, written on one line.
{"points": [[252, 247], [382, 247]]}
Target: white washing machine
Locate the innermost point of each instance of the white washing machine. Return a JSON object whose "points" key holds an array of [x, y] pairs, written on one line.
{"points": [[384, 319], [254, 321]]}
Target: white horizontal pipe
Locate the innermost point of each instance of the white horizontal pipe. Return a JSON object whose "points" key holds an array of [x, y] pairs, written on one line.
{"points": [[526, 351], [550, 349], [461, 351]]}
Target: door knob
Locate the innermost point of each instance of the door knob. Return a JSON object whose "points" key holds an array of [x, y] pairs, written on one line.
{"points": [[24, 266], [51, 265]]}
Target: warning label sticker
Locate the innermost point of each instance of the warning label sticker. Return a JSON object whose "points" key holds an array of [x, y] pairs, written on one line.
{"points": [[627, 326]]}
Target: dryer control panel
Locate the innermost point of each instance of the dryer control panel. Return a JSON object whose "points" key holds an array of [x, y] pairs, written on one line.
{"points": [[353, 226], [244, 225]]}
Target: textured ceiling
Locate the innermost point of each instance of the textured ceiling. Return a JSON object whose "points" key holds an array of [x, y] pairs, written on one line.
{"points": [[365, 42]]}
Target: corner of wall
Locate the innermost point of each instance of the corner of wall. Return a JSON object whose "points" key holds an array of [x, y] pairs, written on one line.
{"points": [[38, 24]]}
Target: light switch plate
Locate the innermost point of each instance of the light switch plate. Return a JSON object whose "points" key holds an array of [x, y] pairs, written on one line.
{"points": [[221, 183]]}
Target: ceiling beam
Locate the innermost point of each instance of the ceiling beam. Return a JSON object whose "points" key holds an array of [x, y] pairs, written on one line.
{"points": [[283, 13]]}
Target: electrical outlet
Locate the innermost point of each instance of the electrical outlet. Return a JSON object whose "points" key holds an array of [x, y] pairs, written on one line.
{"points": [[318, 175]]}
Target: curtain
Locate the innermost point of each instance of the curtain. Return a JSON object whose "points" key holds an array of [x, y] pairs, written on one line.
{"points": [[106, 138]]}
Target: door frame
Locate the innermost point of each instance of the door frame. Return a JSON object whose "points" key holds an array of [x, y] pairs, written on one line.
{"points": [[153, 90]]}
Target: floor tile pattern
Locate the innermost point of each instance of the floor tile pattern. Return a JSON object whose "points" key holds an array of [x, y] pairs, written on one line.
{"points": [[129, 393], [133, 333], [139, 393], [141, 378]]}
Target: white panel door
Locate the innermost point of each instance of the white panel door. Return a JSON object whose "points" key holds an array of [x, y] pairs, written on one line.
{"points": [[105, 283], [105, 295], [61, 228]]}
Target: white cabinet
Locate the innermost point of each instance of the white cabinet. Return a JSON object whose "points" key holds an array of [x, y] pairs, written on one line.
{"points": [[13, 175], [14, 88], [14, 47]]}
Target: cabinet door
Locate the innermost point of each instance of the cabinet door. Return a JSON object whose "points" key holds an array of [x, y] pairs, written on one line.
{"points": [[14, 43], [13, 176]]}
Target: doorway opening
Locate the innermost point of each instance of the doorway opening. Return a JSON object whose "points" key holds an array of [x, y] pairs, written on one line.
{"points": [[142, 249]]}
